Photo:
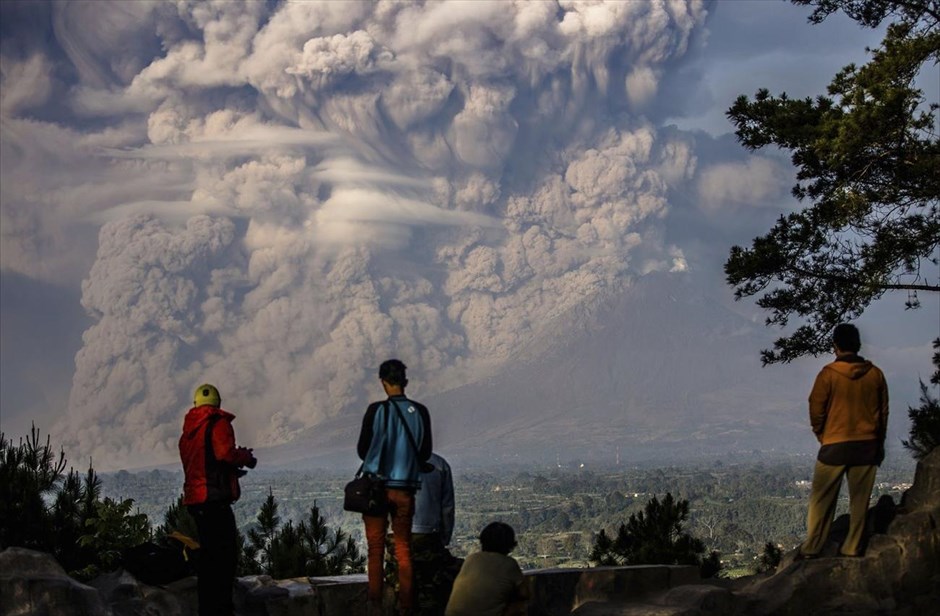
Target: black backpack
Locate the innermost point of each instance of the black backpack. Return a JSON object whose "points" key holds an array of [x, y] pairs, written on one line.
{"points": [[157, 564]]}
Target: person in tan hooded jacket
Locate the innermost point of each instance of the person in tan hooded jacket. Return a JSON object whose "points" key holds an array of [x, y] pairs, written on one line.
{"points": [[848, 411]]}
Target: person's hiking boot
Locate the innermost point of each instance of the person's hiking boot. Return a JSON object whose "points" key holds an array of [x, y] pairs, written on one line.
{"points": [[802, 556]]}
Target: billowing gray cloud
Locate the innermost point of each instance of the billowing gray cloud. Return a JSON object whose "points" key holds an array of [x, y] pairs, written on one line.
{"points": [[759, 181], [287, 196]]}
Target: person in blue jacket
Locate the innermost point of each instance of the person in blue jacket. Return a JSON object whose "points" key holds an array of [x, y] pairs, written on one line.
{"points": [[432, 530], [394, 442]]}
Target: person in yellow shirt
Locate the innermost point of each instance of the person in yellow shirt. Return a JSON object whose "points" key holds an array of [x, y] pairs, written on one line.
{"points": [[848, 411], [490, 582]]}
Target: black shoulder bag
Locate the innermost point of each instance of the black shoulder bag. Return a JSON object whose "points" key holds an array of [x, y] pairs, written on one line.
{"points": [[365, 494]]}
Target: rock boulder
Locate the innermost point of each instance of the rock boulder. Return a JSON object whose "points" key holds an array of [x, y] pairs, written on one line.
{"points": [[34, 584]]}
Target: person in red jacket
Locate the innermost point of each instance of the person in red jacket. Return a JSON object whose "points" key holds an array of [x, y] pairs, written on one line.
{"points": [[212, 464]]}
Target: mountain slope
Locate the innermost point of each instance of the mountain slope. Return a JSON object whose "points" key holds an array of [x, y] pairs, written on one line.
{"points": [[657, 370]]}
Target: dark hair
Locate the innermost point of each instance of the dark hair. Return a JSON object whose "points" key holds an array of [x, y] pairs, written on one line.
{"points": [[498, 537], [845, 337], [392, 371]]}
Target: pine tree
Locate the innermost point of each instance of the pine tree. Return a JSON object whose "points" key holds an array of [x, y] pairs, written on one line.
{"points": [[29, 473], [770, 558], [867, 156], [43, 510], [176, 518], [925, 419], [655, 536], [329, 551], [308, 548], [263, 533]]}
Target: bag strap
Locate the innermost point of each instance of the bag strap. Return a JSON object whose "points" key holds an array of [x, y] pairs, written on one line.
{"points": [[411, 438]]}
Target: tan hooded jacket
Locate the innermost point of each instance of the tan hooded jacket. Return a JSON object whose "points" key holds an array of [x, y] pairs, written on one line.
{"points": [[849, 402]]}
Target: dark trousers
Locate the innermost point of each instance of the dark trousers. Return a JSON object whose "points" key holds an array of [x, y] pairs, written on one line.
{"points": [[435, 569], [218, 557]]}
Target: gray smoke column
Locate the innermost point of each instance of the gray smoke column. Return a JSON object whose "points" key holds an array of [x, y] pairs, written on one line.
{"points": [[352, 181]]}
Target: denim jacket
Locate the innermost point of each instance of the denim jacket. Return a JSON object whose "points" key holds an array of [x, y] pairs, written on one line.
{"points": [[384, 445], [434, 505]]}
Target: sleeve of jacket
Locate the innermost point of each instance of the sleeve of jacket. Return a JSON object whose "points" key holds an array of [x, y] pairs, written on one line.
{"points": [[819, 402], [365, 433], [447, 504], [223, 445], [424, 452]]}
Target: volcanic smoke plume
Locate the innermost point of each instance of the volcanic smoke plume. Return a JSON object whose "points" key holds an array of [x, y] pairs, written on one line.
{"points": [[289, 194]]}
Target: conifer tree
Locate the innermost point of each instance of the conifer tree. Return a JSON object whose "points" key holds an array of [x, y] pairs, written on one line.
{"points": [[867, 155], [308, 548], [655, 536], [29, 474], [925, 419], [176, 518], [42, 509], [262, 534]]}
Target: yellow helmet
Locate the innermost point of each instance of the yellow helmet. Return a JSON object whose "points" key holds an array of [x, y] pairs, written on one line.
{"points": [[207, 394]]}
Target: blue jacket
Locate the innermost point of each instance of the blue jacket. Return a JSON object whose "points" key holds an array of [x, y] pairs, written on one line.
{"points": [[434, 504], [384, 446]]}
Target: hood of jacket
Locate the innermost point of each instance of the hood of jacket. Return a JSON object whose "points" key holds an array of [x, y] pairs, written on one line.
{"points": [[198, 416], [852, 367]]}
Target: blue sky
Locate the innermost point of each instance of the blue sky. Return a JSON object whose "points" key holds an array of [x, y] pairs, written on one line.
{"points": [[272, 195]]}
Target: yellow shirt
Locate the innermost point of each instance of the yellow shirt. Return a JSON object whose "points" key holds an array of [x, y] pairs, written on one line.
{"points": [[486, 584]]}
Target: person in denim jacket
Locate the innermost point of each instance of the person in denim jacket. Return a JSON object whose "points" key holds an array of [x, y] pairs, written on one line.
{"points": [[395, 440]]}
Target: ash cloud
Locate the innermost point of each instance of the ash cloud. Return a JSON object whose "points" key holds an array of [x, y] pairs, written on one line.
{"points": [[288, 194]]}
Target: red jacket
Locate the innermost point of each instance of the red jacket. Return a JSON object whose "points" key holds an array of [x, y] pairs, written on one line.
{"points": [[211, 471]]}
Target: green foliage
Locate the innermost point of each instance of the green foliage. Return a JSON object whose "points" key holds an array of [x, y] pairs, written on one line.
{"points": [[111, 528], [770, 558], [866, 157], [655, 536], [29, 473], [262, 535], [177, 519], [73, 507], [925, 419], [311, 548], [870, 13], [42, 509]]}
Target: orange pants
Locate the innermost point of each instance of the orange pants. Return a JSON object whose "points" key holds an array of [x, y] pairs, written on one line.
{"points": [[401, 509]]}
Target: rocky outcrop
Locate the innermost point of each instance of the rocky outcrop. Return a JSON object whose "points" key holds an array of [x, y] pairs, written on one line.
{"points": [[34, 584], [125, 596], [899, 573]]}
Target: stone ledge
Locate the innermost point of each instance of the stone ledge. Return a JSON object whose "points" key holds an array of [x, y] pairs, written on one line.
{"points": [[554, 591]]}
